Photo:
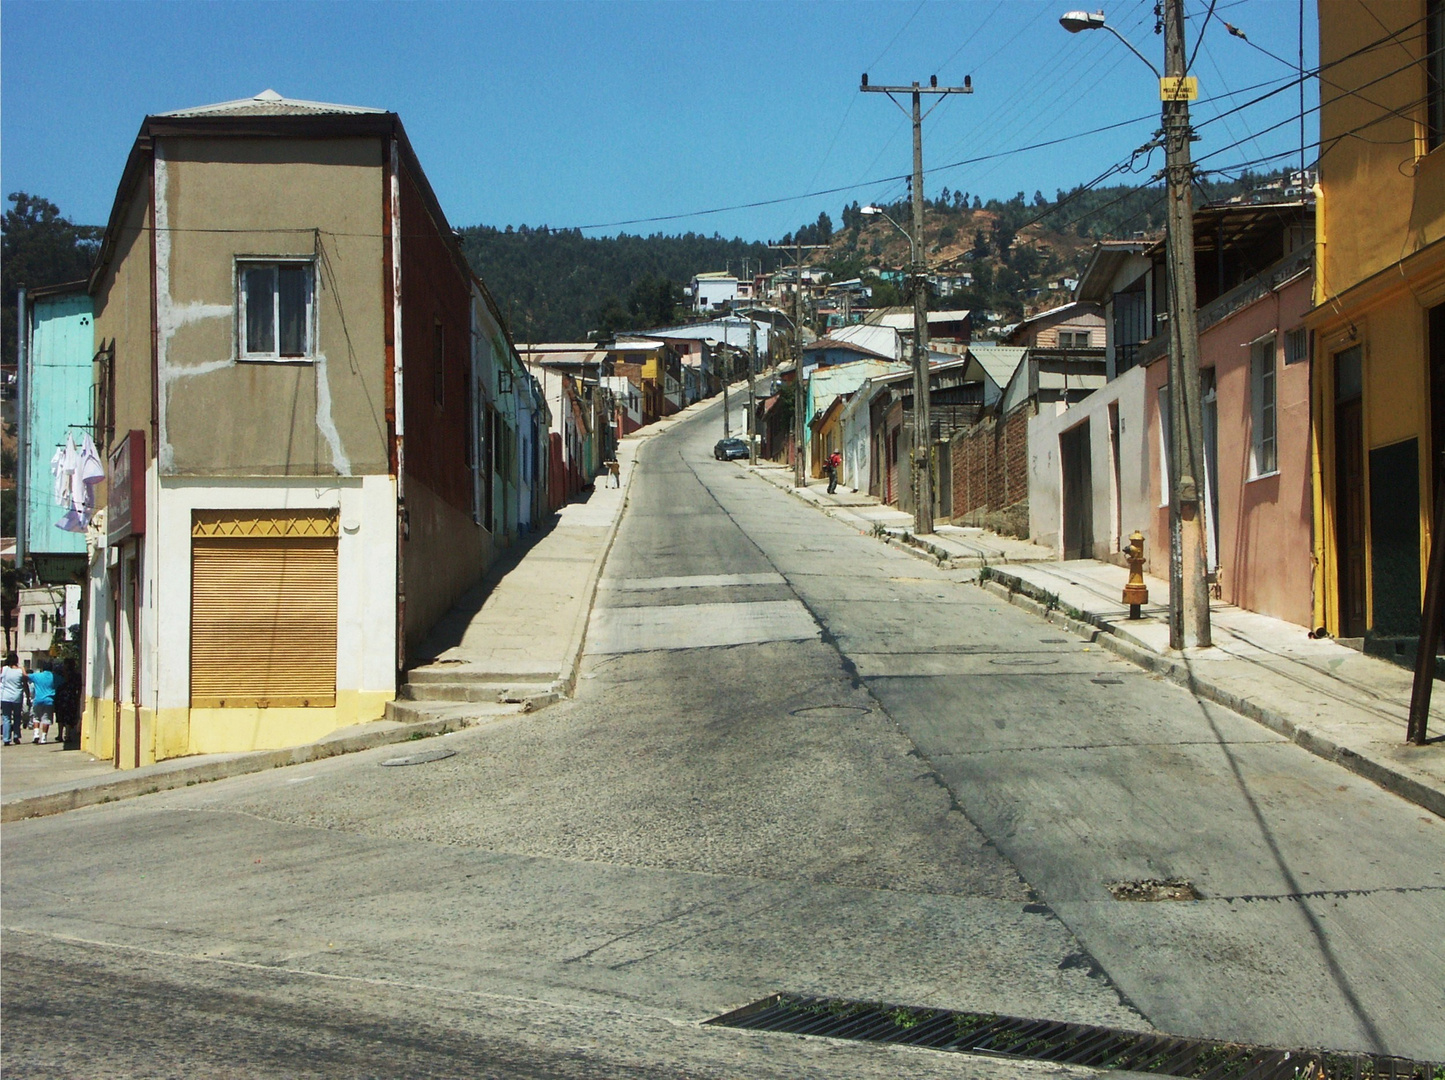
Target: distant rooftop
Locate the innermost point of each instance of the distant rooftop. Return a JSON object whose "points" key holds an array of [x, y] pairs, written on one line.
{"points": [[270, 103]]}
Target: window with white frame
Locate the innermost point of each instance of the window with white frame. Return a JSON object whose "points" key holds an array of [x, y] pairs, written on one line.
{"points": [[1262, 407], [1073, 339], [276, 309]]}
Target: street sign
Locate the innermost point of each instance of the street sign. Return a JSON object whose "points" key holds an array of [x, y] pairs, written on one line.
{"points": [[1178, 88]]}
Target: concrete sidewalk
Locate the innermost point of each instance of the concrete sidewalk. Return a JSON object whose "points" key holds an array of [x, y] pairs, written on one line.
{"points": [[951, 546], [510, 646], [517, 637]]}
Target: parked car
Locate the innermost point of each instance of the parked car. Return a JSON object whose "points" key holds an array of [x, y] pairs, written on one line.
{"points": [[730, 449]]}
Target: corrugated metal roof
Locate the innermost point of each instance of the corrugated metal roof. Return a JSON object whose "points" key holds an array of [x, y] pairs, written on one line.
{"points": [[852, 346], [270, 103], [883, 340], [1096, 282], [999, 362]]}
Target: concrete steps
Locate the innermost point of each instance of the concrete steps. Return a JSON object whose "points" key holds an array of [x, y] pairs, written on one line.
{"points": [[437, 683], [456, 714]]}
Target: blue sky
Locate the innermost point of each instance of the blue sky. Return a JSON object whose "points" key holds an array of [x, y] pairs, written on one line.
{"points": [[596, 113]]}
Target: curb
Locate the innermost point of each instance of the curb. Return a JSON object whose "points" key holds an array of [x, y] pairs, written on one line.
{"points": [[1038, 602], [566, 684], [58, 802], [864, 527]]}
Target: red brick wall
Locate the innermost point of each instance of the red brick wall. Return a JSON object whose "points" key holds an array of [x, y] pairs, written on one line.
{"points": [[991, 467], [434, 290]]}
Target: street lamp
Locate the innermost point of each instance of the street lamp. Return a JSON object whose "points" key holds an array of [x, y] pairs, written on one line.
{"points": [[1075, 21], [1188, 587], [878, 211]]}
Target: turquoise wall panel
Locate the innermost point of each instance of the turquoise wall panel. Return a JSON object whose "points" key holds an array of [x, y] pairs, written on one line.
{"points": [[62, 344]]}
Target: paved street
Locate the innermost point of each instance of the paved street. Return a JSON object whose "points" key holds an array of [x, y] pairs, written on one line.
{"points": [[797, 759]]}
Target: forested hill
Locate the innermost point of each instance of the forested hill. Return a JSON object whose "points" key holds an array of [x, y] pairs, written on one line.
{"points": [[556, 285]]}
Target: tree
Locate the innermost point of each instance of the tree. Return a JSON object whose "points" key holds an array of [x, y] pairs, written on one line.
{"points": [[825, 228], [980, 244], [39, 247], [884, 293]]}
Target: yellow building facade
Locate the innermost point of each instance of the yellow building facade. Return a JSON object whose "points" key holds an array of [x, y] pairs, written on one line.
{"points": [[1378, 320]]}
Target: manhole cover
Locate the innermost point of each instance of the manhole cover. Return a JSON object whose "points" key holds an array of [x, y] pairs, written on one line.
{"points": [[1024, 661], [837, 712], [1061, 1041], [421, 758], [1152, 889]]}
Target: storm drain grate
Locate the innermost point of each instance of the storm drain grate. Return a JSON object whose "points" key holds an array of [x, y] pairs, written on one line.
{"points": [[1073, 1044]]}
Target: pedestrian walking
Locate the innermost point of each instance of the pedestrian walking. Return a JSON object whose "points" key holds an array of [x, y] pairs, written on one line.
{"points": [[834, 463], [67, 706], [14, 692], [43, 685]]}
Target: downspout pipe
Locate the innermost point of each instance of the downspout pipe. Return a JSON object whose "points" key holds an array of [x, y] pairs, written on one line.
{"points": [[403, 529], [22, 401]]}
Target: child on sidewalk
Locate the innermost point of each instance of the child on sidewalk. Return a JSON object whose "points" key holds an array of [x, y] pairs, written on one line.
{"points": [[43, 685]]}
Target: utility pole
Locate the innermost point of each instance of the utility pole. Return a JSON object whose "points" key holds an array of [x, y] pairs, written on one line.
{"points": [[799, 422], [922, 426], [752, 392], [1188, 587], [727, 372]]}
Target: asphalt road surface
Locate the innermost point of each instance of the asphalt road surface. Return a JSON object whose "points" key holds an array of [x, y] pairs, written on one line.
{"points": [[798, 760]]}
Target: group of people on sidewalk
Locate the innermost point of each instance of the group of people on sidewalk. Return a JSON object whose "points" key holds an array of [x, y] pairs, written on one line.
{"points": [[45, 698]]}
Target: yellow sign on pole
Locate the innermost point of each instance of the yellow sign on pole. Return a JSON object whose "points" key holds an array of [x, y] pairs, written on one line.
{"points": [[1178, 88]]}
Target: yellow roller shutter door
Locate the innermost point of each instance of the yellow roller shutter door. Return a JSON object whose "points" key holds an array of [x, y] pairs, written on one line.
{"points": [[263, 621]]}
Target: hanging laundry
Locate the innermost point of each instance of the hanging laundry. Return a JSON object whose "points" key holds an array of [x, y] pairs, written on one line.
{"points": [[62, 470], [76, 473]]}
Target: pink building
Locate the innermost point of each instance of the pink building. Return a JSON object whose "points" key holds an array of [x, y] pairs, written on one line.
{"points": [[1255, 375]]}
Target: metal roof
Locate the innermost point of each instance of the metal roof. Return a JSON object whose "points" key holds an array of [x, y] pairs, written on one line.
{"points": [[883, 340], [998, 362], [901, 318], [851, 346], [270, 103], [1097, 281]]}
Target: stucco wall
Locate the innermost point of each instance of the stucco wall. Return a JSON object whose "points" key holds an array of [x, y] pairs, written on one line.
{"points": [[123, 314], [1116, 513], [219, 199], [444, 557], [1263, 549], [1376, 209]]}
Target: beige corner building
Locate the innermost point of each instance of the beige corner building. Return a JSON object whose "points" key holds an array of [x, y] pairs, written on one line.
{"points": [[297, 397]]}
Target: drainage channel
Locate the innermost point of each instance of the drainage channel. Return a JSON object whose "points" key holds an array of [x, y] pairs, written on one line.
{"points": [[1065, 1043]]}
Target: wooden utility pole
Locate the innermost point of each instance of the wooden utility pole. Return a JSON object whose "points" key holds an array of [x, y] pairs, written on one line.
{"points": [[922, 426], [799, 421], [1188, 586], [752, 392], [727, 376]]}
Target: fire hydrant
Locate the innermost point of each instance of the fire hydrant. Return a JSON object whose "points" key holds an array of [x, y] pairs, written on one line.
{"points": [[1136, 593]]}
